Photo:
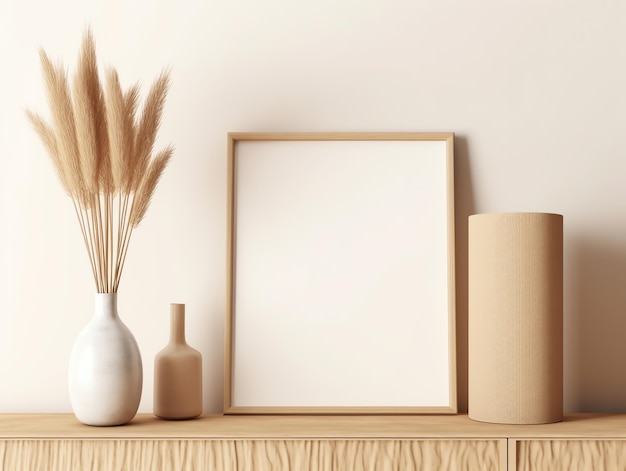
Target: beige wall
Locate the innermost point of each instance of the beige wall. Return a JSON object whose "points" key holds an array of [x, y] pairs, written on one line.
{"points": [[535, 92]]}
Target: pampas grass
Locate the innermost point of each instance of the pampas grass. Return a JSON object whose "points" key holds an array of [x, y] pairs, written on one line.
{"points": [[102, 152]]}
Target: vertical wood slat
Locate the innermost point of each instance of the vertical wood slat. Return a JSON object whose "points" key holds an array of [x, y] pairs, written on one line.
{"points": [[511, 454], [248, 455]]}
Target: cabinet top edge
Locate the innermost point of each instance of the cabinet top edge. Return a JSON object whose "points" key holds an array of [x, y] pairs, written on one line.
{"points": [[218, 426]]}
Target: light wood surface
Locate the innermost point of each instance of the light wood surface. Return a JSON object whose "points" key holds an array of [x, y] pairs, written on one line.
{"points": [[580, 426], [570, 455], [218, 442], [339, 136], [224, 455]]}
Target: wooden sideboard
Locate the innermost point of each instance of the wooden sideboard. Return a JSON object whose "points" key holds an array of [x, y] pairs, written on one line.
{"points": [[216, 442]]}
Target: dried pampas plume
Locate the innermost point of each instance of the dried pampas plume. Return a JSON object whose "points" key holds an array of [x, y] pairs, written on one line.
{"points": [[103, 154]]}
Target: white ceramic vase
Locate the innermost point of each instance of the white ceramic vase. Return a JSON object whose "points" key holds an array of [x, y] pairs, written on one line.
{"points": [[105, 371]]}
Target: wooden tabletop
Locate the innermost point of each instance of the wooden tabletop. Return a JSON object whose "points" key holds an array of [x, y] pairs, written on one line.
{"points": [[146, 426]]}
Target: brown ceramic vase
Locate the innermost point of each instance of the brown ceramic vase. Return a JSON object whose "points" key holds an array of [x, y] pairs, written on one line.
{"points": [[178, 373]]}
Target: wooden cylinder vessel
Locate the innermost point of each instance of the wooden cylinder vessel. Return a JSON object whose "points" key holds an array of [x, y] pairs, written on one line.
{"points": [[515, 318]]}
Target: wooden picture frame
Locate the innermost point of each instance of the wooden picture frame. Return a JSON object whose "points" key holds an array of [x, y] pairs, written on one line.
{"points": [[341, 282]]}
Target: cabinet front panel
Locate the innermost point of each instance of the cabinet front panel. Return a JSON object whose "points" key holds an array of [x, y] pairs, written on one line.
{"points": [[571, 455], [224, 455]]}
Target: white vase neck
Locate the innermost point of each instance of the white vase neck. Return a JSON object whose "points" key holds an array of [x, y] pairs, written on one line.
{"points": [[106, 306], [177, 324]]}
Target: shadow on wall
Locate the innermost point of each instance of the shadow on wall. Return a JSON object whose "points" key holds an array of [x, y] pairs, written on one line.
{"points": [[595, 326], [464, 207], [213, 360]]}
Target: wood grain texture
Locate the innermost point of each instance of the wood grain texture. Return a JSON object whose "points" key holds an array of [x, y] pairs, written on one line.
{"points": [[146, 426], [571, 455], [59, 441], [340, 136], [101, 455]]}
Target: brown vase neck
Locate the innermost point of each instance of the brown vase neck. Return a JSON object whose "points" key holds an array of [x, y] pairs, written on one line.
{"points": [[177, 324]]}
